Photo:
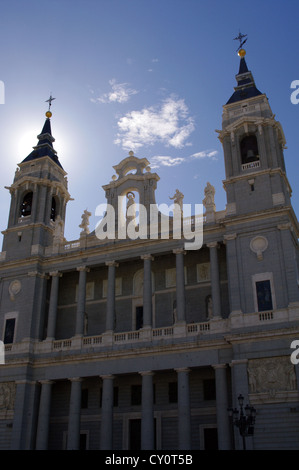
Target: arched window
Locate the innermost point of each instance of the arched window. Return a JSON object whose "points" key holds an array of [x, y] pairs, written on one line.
{"points": [[249, 149], [26, 205], [53, 209]]}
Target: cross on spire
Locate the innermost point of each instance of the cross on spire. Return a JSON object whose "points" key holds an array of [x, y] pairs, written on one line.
{"points": [[50, 101], [240, 39]]}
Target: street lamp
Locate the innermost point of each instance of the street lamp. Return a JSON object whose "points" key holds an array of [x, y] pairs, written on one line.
{"points": [[244, 421]]}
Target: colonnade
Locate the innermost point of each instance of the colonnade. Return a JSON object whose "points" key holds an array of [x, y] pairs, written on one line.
{"points": [[147, 411], [147, 292]]}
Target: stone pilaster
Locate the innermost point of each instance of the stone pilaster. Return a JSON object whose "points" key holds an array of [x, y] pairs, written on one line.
{"points": [[106, 438], [215, 280], [81, 300], [147, 291], [73, 438], [110, 313], [184, 415], [42, 433], [53, 305], [147, 419], [233, 274], [223, 425], [180, 286]]}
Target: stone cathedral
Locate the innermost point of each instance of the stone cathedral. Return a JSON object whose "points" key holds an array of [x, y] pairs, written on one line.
{"points": [[141, 344]]}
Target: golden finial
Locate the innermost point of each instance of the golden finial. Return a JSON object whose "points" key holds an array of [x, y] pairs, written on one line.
{"points": [[241, 53]]}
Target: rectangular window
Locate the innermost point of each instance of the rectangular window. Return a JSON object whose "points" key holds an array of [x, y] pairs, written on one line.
{"points": [[139, 317], [135, 434], [9, 330], [83, 441], [173, 392], [210, 439], [209, 389], [115, 396], [136, 394], [264, 295], [84, 398]]}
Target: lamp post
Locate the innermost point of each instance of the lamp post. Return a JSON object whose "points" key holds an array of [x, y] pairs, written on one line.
{"points": [[244, 421]]}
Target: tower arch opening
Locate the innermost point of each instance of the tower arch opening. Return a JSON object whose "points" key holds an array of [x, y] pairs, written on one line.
{"points": [[249, 149], [26, 204]]}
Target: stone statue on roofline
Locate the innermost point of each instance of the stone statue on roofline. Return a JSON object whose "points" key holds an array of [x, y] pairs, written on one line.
{"points": [[178, 198], [85, 222], [209, 203]]}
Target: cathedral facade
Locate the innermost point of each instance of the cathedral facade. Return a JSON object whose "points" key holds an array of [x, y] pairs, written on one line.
{"points": [[142, 343]]}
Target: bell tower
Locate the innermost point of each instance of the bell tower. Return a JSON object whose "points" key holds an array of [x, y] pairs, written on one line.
{"points": [[39, 196], [253, 144]]}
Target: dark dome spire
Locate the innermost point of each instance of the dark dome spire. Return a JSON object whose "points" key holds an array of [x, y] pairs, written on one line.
{"points": [[245, 82], [44, 147]]}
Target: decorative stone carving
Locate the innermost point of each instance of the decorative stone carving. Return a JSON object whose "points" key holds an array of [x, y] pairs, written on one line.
{"points": [[131, 208], [203, 272], [7, 395], [85, 222], [14, 288], [271, 375], [58, 234], [258, 245]]}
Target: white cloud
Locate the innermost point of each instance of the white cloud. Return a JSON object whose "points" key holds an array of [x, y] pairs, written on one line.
{"points": [[168, 123], [206, 154], [158, 161], [120, 93]]}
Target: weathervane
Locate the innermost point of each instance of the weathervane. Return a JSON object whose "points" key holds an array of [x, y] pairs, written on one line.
{"points": [[240, 38]]}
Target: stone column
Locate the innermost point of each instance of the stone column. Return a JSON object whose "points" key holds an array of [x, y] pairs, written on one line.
{"points": [[23, 430], [291, 277], [215, 280], [180, 286], [81, 300], [147, 418], [147, 291], [42, 433], [184, 415], [233, 274], [49, 205], [53, 305], [106, 438], [110, 313], [73, 438], [223, 425]]}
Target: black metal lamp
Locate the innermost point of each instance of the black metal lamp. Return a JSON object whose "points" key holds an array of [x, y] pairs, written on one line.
{"points": [[244, 421]]}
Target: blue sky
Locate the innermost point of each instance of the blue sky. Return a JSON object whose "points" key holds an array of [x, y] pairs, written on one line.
{"points": [[163, 67]]}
